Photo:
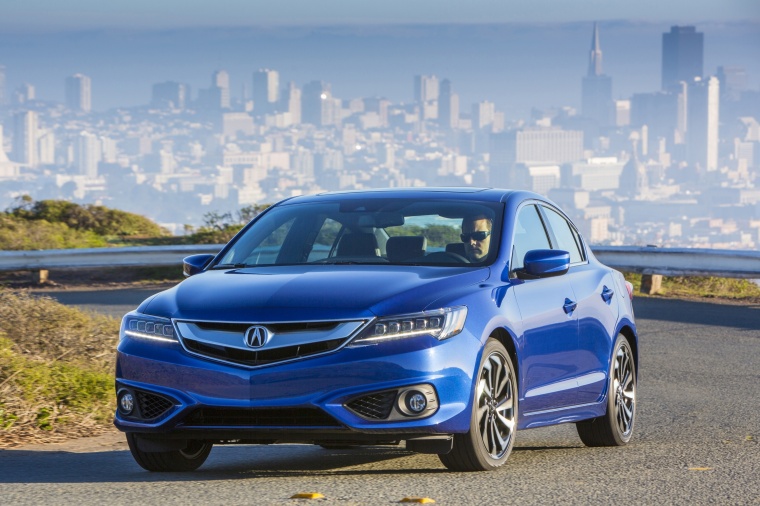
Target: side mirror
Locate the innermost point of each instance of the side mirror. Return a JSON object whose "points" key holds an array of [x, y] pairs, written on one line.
{"points": [[195, 263], [545, 263]]}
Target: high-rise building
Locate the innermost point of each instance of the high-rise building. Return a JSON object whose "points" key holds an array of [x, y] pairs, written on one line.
{"points": [[25, 138], [448, 106], [426, 92], [316, 106], [702, 119], [682, 55], [266, 91], [87, 154], [293, 105], [596, 94], [46, 147], [221, 79], [170, 95], [733, 81], [3, 98], [79, 93], [25, 93], [483, 114]]}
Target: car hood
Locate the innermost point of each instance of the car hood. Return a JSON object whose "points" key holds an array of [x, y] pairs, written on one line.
{"points": [[312, 292]]}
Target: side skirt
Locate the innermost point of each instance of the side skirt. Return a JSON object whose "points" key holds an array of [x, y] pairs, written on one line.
{"points": [[567, 414]]}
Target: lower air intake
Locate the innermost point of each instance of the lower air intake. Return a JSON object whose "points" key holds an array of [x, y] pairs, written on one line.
{"points": [[260, 417], [376, 406]]}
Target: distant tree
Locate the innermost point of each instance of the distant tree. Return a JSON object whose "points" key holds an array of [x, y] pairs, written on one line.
{"points": [[219, 227]]}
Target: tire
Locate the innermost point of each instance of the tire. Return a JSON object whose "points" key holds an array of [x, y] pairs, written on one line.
{"points": [[493, 421], [188, 459], [615, 427]]}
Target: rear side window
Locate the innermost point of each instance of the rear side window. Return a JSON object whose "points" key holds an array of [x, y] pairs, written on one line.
{"points": [[529, 235], [564, 234]]}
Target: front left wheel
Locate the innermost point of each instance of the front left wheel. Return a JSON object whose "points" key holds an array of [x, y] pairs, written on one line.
{"points": [[493, 422], [189, 458]]}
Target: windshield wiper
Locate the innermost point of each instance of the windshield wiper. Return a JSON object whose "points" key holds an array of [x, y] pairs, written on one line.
{"points": [[229, 266]]}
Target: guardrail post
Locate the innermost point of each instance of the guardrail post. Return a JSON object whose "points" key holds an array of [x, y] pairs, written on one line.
{"points": [[40, 276], [650, 283]]}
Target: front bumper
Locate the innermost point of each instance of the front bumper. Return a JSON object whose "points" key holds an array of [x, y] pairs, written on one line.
{"points": [[209, 400]]}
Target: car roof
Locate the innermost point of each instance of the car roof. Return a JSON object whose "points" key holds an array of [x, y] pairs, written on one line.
{"points": [[458, 193]]}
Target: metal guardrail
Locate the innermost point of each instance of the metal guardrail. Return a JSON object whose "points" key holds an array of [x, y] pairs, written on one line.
{"points": [[681, 261], [644, 260], [144, 256]]}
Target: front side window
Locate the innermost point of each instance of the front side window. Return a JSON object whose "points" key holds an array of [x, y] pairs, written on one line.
{"points": [[563, 232], [371, 231], [529, 235]]}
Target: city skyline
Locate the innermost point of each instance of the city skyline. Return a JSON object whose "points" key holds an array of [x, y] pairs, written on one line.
{"points": [[668, 164], [367, 61], [50, 15]]}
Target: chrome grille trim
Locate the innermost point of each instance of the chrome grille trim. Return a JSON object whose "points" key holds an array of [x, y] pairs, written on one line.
{"points": [[235, 339], [219, 340]]}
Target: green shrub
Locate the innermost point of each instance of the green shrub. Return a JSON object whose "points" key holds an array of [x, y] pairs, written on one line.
{"points": [[56, 370]]}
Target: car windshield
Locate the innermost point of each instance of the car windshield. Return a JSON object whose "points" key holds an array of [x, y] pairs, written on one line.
{"points": [[371, 231]]}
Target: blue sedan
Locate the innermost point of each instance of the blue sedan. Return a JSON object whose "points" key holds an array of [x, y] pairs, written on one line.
{"points": [[446, 318]]}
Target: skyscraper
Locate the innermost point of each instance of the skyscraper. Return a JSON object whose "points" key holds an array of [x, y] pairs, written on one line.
{"points": [[448, 106], [79, 93], [88, 154], [314, 103], [170, 95], [3, 99], [266, 91], [596, 94], [221, 80], [682, 55], [25, 138], [426, 93], [702, 119]]}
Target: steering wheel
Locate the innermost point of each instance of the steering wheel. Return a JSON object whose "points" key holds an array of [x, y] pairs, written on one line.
{"points": [[446, 257]]}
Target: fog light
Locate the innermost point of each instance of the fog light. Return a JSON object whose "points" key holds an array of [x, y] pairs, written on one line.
{"points": [[416, 402], [126, 403]]}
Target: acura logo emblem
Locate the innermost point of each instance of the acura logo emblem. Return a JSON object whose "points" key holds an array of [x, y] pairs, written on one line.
{"points": [[256, 336]]}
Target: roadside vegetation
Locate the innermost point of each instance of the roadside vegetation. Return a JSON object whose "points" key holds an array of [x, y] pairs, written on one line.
{"points": [[692, 287], [56, 370]]}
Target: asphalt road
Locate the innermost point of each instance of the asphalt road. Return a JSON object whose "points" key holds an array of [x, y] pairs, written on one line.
{"points": [[696, 442]]}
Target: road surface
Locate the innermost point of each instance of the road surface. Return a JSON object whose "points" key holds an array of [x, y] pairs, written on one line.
{"points": [[696, 442]]}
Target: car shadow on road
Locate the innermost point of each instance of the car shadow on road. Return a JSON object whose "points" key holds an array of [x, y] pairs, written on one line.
{"points": [[698, 312], [21, 466]]}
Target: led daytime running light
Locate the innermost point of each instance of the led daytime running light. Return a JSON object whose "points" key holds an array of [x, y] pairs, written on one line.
{"points": [[161, 330], [441, 324]]}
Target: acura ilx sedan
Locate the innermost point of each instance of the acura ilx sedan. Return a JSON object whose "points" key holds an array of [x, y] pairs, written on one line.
{"points": [[443, 318]]}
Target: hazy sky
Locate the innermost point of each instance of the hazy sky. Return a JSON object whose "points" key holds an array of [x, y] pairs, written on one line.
{"points": [[46, 15]]}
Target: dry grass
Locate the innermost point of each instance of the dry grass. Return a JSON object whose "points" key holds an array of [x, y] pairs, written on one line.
{"points": [[56, 370], [692, 287]]}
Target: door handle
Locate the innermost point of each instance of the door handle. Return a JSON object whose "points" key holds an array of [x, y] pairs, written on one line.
{"points": [[569, 306], [607, 294]]}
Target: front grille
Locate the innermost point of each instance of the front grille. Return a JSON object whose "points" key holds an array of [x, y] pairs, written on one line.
{"points": [[261, 357], [227, 341], [152, 406], [376, 406], [260, 417]]}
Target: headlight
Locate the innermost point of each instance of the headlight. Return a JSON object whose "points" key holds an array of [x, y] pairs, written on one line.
{"points": [[147, 327], [440, 323]]}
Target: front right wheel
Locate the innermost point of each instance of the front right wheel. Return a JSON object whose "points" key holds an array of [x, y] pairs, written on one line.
{"points": [[615, 427], [494, 415]]}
